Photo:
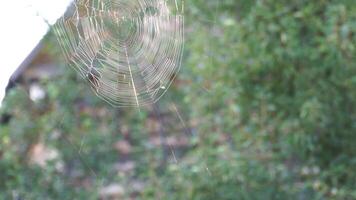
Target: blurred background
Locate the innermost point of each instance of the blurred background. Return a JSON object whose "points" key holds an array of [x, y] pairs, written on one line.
{"points": [[264, 107]]}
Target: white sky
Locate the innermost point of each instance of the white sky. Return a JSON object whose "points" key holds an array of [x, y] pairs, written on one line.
{"points": [[22, 26]]}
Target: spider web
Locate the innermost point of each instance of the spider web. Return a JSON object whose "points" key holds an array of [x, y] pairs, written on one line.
{"points": [[128, 50]]}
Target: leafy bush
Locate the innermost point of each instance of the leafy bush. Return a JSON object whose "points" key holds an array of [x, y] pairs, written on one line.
{"points": [[280, 81]]}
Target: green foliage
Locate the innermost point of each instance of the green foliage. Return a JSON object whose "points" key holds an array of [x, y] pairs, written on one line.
{"points": [[277, 77], [267, 94]]}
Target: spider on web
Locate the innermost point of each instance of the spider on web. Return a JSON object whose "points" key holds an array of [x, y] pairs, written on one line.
{"points": [[129, 51]]}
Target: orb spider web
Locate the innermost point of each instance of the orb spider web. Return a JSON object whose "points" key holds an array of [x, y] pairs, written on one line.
{"points": [[128, 50]]}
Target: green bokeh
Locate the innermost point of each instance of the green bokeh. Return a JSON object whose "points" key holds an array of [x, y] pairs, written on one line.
{"points": [[267, 94]]}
